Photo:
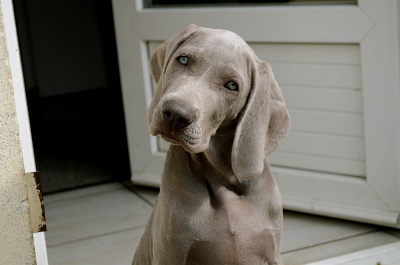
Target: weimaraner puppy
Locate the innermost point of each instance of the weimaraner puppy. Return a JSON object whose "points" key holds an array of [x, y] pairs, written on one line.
{"points": [[223, 112]]}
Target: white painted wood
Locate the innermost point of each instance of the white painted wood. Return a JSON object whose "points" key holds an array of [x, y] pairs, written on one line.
{"points": [[317, 75], [22, 112], [327, 99], [339, 166], [333, 195], [146, 164], [292, 24], [380, 71], [338, 150], [339, 54], [327, 122], [324, 145], [338, 69]]}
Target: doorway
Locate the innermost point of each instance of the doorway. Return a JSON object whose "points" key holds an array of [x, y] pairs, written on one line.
{"points": [[70, 66]]}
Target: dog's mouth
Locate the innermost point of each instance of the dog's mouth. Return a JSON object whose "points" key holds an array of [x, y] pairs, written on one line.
{"points": [[188, 137], [169, 138]]}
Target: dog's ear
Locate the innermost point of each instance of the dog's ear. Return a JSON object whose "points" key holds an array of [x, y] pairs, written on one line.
{"points": [[263, 125], [159, 61]]}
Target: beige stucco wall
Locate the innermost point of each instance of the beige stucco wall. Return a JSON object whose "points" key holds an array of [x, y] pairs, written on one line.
{"points": [[16, 239]]}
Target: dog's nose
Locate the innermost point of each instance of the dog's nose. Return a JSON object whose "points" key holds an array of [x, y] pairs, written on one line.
{"points": [[177, 116]]}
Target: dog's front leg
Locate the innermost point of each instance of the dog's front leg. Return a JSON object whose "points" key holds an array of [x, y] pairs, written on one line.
{"points": [[144, 251]]}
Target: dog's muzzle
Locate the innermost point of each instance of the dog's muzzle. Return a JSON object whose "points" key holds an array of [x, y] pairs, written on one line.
{"points": [[177, 116], [178, 124]]}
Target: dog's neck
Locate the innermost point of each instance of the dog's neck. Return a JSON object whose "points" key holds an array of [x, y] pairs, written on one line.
{"points": [[214, 164]]}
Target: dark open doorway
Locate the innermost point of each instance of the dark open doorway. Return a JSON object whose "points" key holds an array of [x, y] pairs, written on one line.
{"points": [[70, 66]]}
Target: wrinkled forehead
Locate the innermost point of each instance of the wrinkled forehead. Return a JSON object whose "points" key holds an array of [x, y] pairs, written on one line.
{"points": [[223, 44], [223, 37]]}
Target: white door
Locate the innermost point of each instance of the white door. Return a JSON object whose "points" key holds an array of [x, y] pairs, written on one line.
{"points": [[21, 111], [338, 68]]}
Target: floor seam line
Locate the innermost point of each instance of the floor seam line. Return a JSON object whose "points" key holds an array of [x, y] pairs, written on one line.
{"points": [[94, 236], [332, 241], [82, 196], [130, 187]]}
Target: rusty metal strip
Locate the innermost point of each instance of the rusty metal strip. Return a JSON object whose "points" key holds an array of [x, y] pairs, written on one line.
{"points": [[36, 204]]}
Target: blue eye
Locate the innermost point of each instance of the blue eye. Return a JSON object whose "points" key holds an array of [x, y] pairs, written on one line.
{"points": [[232, 85], [183, 59]]}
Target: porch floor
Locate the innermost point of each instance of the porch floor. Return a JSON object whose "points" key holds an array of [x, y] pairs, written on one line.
{"points": [[103, 225]]}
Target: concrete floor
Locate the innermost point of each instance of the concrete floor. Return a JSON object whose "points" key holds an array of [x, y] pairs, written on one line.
{"points": [[103, 225]]}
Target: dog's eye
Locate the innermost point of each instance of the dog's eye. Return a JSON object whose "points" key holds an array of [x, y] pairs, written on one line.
{"points": [[183, 59], [232, 85]]}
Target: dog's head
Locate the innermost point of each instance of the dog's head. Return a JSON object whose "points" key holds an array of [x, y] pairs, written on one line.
{"points": [[211, 81]]}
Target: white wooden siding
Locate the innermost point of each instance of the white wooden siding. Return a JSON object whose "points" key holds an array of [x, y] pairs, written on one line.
{"points": [[321, 84]]}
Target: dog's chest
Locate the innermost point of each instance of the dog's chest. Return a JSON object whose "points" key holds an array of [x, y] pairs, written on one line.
{"points": [[206, 229], [228, 215], [231, 225], [203, 219]]}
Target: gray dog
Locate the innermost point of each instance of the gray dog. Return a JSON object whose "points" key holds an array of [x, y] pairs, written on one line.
{"points": [[222, 110]]}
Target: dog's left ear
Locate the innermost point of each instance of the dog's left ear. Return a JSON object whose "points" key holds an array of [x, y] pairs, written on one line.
{"points": [[263, 124]]}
